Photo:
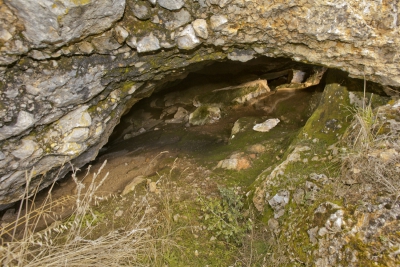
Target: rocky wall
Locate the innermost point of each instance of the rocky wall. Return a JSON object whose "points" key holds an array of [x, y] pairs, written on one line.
{"points": [[69, 69]]}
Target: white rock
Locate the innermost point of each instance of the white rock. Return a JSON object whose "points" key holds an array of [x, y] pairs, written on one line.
{"points": [[217, 21], [24, 121], [187, 38], [266, 126], [77, 118], [298, 76], [122, 34], [200, 28], [171, 4], [148, 43], [132, 42], [25, 149], [77, 135], [5, 35]]}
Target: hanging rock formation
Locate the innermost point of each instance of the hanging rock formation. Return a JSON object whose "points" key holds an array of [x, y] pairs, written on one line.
{"points": [[70, 69]]}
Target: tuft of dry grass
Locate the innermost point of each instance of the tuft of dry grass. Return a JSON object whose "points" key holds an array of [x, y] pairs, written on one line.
{"points": [[74, 242], [371, 149]]}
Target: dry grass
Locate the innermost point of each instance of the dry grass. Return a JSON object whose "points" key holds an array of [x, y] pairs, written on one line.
{"points": [[372, 150], [74, 242]]}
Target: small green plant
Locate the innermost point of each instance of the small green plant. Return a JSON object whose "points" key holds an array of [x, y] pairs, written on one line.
{"points": [[224, 216]]}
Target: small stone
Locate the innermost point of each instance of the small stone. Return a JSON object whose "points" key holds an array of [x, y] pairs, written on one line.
{"points": [[266, 126], [121, 33], [171, 4], [119, 213], [141, 10], [298, 196], [85, 47], [257, 148], [25, 150], [312, 234], [218, 21], [152, 186], [213, 238], [132, 42], [196, 253], [278, 203], [148, 44], [187, 38], [131, 186], [200, 28]]}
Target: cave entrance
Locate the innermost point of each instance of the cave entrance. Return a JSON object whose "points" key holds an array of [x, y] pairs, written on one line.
{"points": [[202, 125], [208, 118]]}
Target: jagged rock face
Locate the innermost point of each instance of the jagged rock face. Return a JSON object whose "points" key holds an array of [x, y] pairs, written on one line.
{"points": [[70, 69]]}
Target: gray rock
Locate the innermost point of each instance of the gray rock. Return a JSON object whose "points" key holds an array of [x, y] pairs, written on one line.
{"points": [[26, 149], [25, 120], [200, 28], [121, 34], [132, 42], [141, 10], [220, 3], [148, 44], [105, 43], [187, 38], [48, 23], [218, 21], [177, 19], [85, 47], [171, 4], [153, 2], [77, 118], [266, 125], [312, 234], [241, 55], [205, 115], [278, 203]]}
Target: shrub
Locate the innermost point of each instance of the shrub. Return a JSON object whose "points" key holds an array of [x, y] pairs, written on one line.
{"points": [[224, 216]]}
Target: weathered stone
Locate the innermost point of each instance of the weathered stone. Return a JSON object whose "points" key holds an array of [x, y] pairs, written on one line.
{"points": [[148, 44], [200, 28], [26, 149], [46, 22], [121, 34], [278, 203], [205, 115], [24, 121], [241, 55], [266, 126], [176, 20], [85, 47], [221, 3], [105, 43], [171, 4], [187, 38], [218, 21], [132, 185], [141, 10]]}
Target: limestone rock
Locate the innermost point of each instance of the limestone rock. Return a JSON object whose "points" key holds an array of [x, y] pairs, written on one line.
{"points": [[171, 4], [205, 115], [141, 10], [66, 20], [131, 186], [266, 126], [148, 44], [278, 203], [176, 19], [105, 43], [200, 28], [187, 38], [218, 21]]}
